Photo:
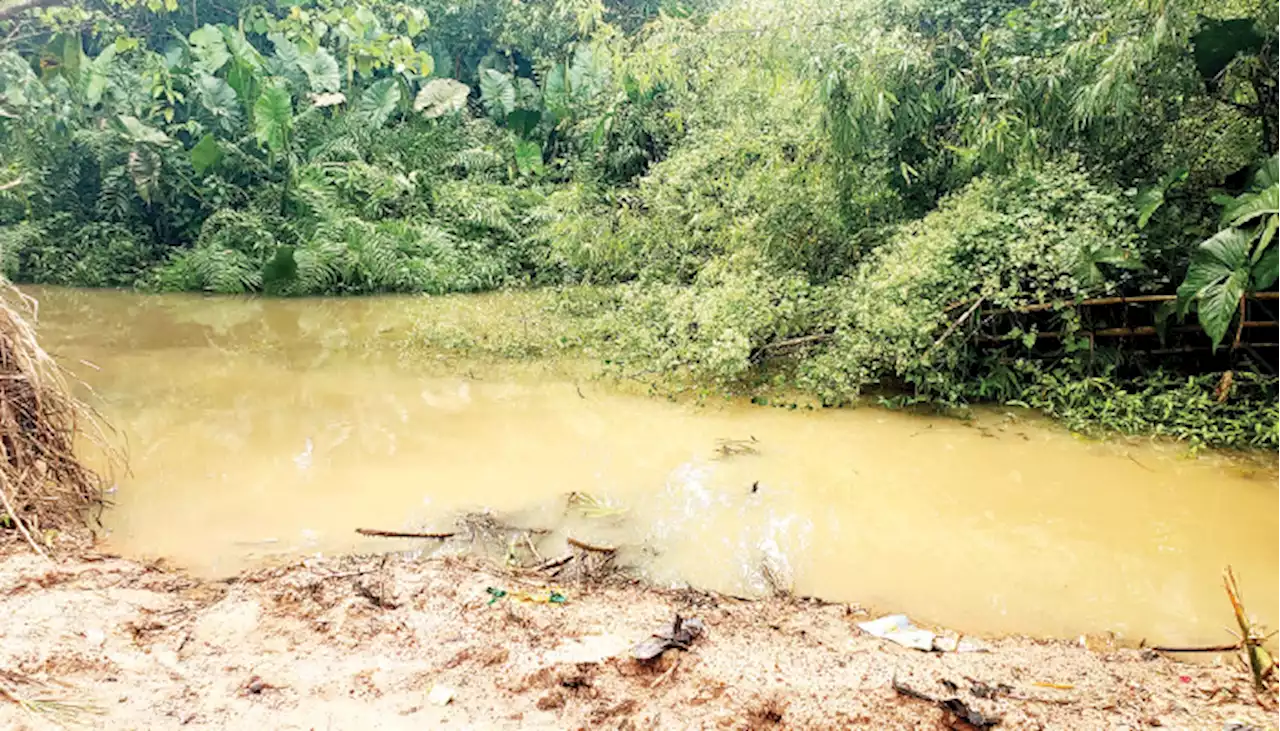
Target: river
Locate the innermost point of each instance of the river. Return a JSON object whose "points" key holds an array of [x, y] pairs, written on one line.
{"points": [[259, 429]]}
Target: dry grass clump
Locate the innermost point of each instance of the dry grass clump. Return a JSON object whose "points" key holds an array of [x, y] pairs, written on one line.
{"points": [[43, 484]]}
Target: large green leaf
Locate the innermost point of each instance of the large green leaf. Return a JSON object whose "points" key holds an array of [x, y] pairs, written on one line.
{"points": [[144, 169], [497, 92], [1266, 271], [285, 49], [523, 121], [527, 94], [245, 81], [439, 97], [378, 102], [273, 118], [138, 132], [589, 73], [555, 91], [96, 81], [1218, 303], [528, 157], [205, 154], [220, 101], [1251, 205], [1268, 173], [66, 53], [1088, 271], [1216, 278], [1148, 201], [241, 50], [322, 70], [245, 72], [1216, 259], [209, 49]]}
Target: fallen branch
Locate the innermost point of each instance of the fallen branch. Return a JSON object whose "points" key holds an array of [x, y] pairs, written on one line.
{"points": [[11, 184], [1099, 301], [952, 705], [589, 546], [554, 563], [402, 534], [959, 321]]}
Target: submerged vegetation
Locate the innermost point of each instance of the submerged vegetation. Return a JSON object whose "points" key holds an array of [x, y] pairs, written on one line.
{"points": [[944, 201]]}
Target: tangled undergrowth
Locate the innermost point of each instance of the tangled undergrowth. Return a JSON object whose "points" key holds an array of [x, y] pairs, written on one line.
{"points": [[44, 485]]}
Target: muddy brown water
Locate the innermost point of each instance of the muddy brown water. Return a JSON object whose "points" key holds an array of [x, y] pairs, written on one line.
{"points": [[258, 429]]}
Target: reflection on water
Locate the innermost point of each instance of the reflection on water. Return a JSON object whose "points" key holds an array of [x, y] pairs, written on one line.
{"points": [[262, 427]]}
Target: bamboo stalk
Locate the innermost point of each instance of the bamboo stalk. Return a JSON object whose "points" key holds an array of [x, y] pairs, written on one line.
{"points": [[1121, 332], [1098, 301]]}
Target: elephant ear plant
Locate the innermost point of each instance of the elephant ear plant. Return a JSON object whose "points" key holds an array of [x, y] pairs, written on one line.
{"points": [[1238, 260]]}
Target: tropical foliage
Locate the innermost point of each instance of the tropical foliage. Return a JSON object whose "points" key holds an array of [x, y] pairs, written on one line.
{"points": [[812, 193]]}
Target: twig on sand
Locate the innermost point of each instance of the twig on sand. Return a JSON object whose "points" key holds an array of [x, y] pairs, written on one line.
{"points": [[403, 534], [662, 678], [554, 563], [1206, 648], [590, 546]]}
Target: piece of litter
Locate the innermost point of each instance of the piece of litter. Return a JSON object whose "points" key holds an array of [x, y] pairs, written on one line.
{"points": [[440, 695], [961, 644], [680, 635], [1055, 686], [897, 628]]}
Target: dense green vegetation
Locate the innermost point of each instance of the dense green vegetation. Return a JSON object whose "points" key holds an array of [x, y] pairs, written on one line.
{"points": [[836, 196]]}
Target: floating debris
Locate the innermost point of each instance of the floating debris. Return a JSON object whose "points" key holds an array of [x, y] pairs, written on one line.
{"points": [[726, 448], [590, 506]]}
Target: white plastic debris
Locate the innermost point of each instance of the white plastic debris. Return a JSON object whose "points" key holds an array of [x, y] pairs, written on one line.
{"points": [[897, 628], [440, 695], [958, 644]]}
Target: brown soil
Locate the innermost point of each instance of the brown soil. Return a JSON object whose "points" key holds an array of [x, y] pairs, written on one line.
{"points": [[360, 643]]}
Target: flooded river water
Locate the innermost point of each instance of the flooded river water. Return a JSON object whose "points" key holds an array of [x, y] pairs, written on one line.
{"points": [[260, 428]]}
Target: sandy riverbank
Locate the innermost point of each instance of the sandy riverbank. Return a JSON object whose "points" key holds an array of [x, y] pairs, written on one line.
{"points": [[360, 643]]}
